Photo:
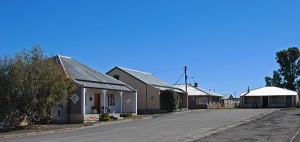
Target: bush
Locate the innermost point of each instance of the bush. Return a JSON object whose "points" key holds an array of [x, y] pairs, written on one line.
{"points": [[125, 114], [113, 117], [169, 100], [104, 117]]}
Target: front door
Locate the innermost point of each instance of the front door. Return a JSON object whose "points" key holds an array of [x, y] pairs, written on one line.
{"points": [[97, 101], [288, 101], [265, 101]]}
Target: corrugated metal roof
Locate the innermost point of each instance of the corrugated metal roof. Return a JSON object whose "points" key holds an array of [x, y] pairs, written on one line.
{"points": [[90, 77], [150, 79], [270, 91], [178, 90], [104, 86], [193, 91]]}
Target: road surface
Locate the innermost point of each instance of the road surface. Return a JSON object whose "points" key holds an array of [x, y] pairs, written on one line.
{"points": [[280, 126], [187, 126]]}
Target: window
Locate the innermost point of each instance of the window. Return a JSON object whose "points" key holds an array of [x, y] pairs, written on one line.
{"points": [[192, 98], [275, 100], [117, 77], [111, 99]]}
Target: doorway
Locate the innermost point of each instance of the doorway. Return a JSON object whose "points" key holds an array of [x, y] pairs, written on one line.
{"points": [[97, 101], [265, 101], [288, 101]]}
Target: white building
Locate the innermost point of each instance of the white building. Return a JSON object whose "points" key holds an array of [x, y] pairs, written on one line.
{"points": [[269, 97]]}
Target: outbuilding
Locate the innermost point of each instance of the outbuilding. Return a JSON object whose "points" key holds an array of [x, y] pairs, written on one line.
{"points": [[200, 98], [269, 96]]}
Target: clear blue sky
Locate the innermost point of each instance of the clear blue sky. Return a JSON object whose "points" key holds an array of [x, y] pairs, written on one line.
{"points": [[226, 45]]}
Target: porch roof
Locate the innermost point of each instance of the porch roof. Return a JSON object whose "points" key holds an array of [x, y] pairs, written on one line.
{"points": [[166, 88], [89, 77], [106, 86], [270, 91]]}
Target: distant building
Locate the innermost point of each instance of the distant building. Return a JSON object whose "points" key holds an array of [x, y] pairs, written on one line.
{"points": [[228, 101], [200, 98], [149, 88], [269, 97]]}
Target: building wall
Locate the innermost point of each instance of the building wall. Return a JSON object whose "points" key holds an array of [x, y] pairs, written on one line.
{"points": [[183, 98], [196, 102], [153, 98], [247, 102], [204, 102], [67, 110], [136, 84]]}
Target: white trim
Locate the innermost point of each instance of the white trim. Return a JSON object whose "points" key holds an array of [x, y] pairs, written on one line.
{"points": [[83, 101], [135, 102], [121, 95], [104, 100]]}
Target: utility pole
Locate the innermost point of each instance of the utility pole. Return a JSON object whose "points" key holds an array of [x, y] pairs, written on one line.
{"points": [[185, 79]]}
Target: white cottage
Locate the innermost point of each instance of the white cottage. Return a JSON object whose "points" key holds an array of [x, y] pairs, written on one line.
{"points": [[97, 93], [269, 97]]}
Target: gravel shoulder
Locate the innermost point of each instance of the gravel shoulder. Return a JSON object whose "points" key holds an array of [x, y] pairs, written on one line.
{"points": [[56, 128], [279, 126]]}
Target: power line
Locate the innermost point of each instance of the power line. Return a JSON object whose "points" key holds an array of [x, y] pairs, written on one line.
{"points": [[179, 79], [168, 70]]}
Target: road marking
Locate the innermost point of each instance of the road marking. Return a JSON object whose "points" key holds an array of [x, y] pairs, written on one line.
{"points": [[294, 137]]}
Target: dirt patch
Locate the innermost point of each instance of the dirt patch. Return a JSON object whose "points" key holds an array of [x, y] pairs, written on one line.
{"points": [[41, 128]]}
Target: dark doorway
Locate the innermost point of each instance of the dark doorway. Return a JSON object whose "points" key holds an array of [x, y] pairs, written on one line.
{"points": [[265, 101], [97, 101], [288, 101]]}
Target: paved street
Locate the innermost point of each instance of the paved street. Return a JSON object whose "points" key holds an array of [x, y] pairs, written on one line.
{"points": [[279, 126], [188, 126]]}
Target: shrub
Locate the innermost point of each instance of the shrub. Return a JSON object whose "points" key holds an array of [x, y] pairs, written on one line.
{"points": [[113, 117], [125, 114], [169, 100], [104, 117]]}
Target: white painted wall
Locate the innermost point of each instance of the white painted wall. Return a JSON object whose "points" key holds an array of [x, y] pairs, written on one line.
{"points": [[88, 103]]}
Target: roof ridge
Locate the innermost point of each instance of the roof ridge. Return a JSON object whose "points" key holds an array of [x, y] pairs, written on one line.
{"points": [[134, 70], [64, 56]]}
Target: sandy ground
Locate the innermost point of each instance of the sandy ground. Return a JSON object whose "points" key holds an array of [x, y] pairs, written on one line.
{"points": [[279, 126]]}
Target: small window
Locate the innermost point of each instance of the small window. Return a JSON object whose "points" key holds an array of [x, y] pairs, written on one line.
{"points": [[192, 98], [111, 99], [117, 77]]}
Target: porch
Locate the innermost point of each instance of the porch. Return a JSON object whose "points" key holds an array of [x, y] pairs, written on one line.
{"points": [[269, 101], [99, 101]]}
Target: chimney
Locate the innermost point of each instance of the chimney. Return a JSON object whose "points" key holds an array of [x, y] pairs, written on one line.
{"points": [[196, 84], [248, 89]]}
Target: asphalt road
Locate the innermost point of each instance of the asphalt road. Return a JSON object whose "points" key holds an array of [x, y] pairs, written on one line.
{"points": [[279, 126], [187, 126]]}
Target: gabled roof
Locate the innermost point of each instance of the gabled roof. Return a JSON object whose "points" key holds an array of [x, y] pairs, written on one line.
{"points": [[148, 78], [89, 77], [228, 97], [270, 91], [196, 91]]}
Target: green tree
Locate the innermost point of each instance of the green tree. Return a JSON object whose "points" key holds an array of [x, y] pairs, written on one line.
{"points": [[169, 100], [275, 81], [289, 70], [33, 85]]}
